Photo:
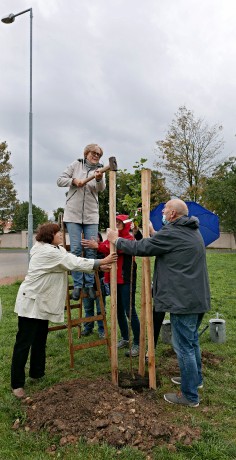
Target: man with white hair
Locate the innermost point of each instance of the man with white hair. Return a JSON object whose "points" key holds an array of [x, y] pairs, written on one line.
{"points": [[180, 287]]}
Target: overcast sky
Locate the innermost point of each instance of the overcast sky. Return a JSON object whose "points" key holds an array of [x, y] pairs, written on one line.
{"points": [[112, 72]]}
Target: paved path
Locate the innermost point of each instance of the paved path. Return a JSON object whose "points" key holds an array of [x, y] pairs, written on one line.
{"points": [[13, 264]]}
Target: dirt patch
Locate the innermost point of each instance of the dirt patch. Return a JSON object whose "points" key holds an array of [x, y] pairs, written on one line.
{"points": [[169, 365], [134, 380], [98, 412], [210, 359]]}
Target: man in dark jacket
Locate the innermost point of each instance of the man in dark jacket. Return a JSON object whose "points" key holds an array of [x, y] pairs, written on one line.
{"points": [[180, 287]]}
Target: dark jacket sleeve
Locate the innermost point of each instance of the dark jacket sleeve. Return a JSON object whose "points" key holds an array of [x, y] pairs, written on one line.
{"points": [[158, 244]]}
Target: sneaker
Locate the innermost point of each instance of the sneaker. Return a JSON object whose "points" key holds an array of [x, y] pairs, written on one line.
{"points": [[174, 398], [101, 335], [86, 332], [76, 293], [123, 343], [177, 381], [133, 352], [19, 393]]}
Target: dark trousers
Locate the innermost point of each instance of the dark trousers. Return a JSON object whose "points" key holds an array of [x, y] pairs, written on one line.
{"points": [[123, 312], [158, 317], [32, 334]]}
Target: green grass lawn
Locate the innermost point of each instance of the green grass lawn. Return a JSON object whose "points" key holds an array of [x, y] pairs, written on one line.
{"points": [[217, 421]]}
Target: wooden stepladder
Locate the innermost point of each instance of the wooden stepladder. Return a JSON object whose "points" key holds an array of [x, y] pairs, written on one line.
{"points": [[72, 322]]}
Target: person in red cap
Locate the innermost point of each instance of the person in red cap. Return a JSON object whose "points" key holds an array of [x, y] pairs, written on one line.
{"points": [[124, 281]]}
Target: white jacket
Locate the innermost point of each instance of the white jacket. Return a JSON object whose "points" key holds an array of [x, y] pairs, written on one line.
{"points": [[42, 294]]}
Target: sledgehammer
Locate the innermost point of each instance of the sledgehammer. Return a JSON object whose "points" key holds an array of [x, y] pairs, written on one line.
{"points": [[112, 167]]}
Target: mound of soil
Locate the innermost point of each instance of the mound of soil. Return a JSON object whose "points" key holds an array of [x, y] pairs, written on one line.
{"points": [[98, 412]]}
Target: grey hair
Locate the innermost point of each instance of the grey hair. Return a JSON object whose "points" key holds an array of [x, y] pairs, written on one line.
{"points": [[90, 148]]}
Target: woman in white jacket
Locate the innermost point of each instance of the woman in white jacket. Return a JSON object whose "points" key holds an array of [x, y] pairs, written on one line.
{"points": [[41, 298]]}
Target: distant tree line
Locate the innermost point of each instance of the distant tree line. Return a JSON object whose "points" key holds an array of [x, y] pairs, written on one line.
{"points": [[189, 158], [11, 209], [187, 166]]}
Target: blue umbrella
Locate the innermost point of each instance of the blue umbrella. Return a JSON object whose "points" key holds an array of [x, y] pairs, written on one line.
{"points": [[209, 222]]}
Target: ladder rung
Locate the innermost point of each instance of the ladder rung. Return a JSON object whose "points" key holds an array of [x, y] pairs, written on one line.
{"points": [[78, 305], [90, 344], [89, 319], [71, 305], [57, 328]]}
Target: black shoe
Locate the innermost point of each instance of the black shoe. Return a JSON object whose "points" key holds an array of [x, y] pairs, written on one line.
{"points": [[36, 379], [86, 332], [92, 293], [76, 293]]}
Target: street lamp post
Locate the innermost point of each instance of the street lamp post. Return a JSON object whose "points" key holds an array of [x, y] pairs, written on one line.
{"points": [[8, 20]]}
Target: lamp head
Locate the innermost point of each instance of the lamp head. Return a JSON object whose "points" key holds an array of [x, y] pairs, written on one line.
{"points": [[8, 19]]}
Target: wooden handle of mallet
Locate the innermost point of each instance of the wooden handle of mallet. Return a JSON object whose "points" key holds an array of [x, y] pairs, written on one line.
{"points": [[112, 167]]}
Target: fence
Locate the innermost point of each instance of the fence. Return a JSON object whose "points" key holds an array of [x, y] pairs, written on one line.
{"points": [[19, 240]]}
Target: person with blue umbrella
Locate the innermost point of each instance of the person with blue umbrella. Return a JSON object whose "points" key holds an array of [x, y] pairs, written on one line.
{"points": [[209, 228], [180, 287]]}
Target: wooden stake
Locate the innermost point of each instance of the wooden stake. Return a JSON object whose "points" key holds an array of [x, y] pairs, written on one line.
{"points": [[142, 338], [113, 280], [146, 184]]}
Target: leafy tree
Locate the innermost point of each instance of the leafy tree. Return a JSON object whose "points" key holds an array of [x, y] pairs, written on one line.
{"points": [[132, 201], [122, 187], [128, 193], [20, 218], [159, 191], [219, 194], [8, 193], [104, 206], [189, 153], [57, 212]]}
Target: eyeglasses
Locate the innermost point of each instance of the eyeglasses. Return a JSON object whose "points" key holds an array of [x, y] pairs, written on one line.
{"points": [[96, 154]]}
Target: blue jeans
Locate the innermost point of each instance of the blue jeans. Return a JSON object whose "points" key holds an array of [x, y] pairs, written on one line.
{"points": [[90, 231], [184, 330], [89, 311], [123, 307]]}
